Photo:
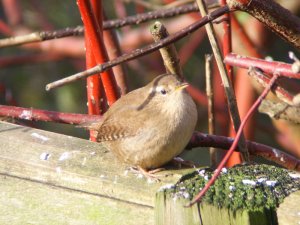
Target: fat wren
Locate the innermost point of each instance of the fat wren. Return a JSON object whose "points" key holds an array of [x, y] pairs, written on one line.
{"points": [[151, 125]]}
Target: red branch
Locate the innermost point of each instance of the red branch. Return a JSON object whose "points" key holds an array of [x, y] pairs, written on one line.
{"points": [[255, 149], [227, 40], [47, 116], [284, 69], [98, 47], [94, 84], [274, 16], [235, 142]]}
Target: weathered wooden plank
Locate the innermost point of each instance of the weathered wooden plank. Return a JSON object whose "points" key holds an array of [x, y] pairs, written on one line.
{"points": [[27, 202], [288, 212], [57, 166]]}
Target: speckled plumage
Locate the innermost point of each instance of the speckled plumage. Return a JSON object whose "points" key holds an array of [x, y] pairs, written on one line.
{"points": [[150, 125]]}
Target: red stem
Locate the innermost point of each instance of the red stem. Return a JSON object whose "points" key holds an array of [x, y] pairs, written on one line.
{"points": [[93, 82], [235, 142], [44, 115], [227, 39], [283, 69], [255, 149], [227, 48], [98, 47]]}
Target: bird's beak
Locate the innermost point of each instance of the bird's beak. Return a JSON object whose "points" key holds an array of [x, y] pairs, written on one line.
{"points": [[181, 86]]}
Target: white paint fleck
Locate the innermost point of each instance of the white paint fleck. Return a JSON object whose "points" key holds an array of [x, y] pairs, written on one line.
{"points": [[224, 170], [201, 172], [276, 153], [140, 176], [232, 188], [269, 58], [115, 179], [260, 180], [167, 186], [64, 156], [250, 182], [83, 161], [26, 115], [102, 176], [39, 136], [271, 183], [185, 194], [45, 156], [58, 169], [151, 181], [294, 175], [126, 172]]}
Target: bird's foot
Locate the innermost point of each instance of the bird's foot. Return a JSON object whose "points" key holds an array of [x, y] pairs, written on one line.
{"points": [[149, 174], [179, 162]]}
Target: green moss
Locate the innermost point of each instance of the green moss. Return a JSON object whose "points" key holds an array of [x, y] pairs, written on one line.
{"points": [[254, 187]]}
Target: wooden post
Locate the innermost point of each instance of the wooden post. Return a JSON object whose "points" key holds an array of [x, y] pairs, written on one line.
{"points": [[245, 195]]}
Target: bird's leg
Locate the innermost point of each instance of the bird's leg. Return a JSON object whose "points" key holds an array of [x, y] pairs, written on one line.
{"points": [[150, 174], [179, 162]]}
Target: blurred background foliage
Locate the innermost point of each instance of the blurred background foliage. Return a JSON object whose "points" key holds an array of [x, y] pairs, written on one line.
{"points": [[25, 70]]}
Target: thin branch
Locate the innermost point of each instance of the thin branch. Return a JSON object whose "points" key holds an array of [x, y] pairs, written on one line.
{"points": [[263, 80], [45, 115], [231, 100], [274, 16], [168, 53], [227, 39], [143, 51], [210, 107], [107, 25], [280, 110], [235, 142], [284, 69], [255, 149]]}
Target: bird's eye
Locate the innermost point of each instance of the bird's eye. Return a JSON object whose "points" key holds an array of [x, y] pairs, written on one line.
{"points": [[163, 91]]}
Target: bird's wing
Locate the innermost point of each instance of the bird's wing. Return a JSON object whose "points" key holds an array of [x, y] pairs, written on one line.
{"points": [[126, 117]]}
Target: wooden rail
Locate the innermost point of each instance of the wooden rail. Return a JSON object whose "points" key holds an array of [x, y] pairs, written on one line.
{"points": [[49, 178]]}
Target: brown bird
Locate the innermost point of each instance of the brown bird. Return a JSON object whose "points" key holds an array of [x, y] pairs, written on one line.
{"points": [[151, 125]]}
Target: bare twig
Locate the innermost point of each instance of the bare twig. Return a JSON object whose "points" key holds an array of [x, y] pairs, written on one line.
{"points": [[284, 69], [210, 107], [168, 53], [231, 100], [107, 25], [262, 79], [255, 149], [280, 110], [140, 52], [274, 16], [47, 116]]}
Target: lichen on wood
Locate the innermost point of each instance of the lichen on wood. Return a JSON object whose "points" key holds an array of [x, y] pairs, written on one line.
{"points": [[251, 187]]}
